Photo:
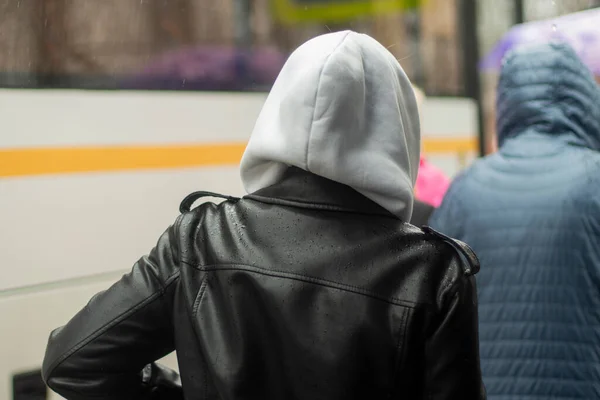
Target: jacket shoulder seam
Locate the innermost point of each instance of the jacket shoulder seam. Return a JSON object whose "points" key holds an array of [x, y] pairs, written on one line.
{"points": [[470, 263]]}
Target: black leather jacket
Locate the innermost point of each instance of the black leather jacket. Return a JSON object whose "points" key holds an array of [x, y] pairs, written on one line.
{"points": [[304, 290]]}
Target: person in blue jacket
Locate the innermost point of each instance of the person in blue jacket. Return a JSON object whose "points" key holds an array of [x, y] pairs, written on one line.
{"points": [[531, 212]]}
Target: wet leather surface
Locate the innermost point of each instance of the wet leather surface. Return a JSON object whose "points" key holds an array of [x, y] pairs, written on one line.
{"points": [[305, 290]]}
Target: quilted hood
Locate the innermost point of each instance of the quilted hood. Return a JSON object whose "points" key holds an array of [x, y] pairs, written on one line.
{"points": [[547, 89]]}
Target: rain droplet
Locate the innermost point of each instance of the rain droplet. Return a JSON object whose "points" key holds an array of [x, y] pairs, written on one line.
{"points": [[553, 27]]}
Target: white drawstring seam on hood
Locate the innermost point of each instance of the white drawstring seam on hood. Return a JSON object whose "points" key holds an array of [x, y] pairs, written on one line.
{"points": [[342, 108]]}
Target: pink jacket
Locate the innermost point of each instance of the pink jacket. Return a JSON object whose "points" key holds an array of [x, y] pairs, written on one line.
{"points": [[431, 183]]}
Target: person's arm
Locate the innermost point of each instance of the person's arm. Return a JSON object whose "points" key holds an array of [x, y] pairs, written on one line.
{"points": [[452, 350], [104, 351]]}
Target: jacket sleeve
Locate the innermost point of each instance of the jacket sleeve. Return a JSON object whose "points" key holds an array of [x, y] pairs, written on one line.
{"points": [[107, 350], [452, 351]]}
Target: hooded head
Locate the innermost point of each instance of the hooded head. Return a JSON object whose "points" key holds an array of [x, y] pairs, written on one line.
{"points": [[546, 89], [342, 108]]}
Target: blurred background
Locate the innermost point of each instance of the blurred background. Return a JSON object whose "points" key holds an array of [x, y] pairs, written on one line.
{"points": [[111, 111]]}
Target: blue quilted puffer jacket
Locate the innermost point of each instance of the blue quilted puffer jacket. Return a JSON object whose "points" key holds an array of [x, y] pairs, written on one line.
{"points": [[531, 212]]}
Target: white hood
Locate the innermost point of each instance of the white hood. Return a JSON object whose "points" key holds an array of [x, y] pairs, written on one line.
{"points": [[342, 108]]}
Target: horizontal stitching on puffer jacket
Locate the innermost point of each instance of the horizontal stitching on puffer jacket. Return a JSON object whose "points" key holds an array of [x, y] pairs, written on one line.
{"points": [[553, 67], [494, 213], [482, 182], [588, 328], [541, 359], [532, 396], [558, 101], [537, 378], [528, 303], [498, 342], [524, 79], [508, 91], [553, 341]]}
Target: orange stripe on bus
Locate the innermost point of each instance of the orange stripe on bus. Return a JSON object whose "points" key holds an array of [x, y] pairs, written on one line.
{"points": [[44, 161]]}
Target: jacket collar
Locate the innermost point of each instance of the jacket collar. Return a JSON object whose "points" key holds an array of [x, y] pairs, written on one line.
{"points": [[299, 188]]}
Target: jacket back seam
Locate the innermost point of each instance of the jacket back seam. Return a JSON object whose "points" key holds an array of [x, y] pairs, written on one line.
{"points": [[308, 279]]}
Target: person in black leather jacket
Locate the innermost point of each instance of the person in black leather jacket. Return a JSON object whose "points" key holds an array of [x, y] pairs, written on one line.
{"points": [[312, 286]]}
